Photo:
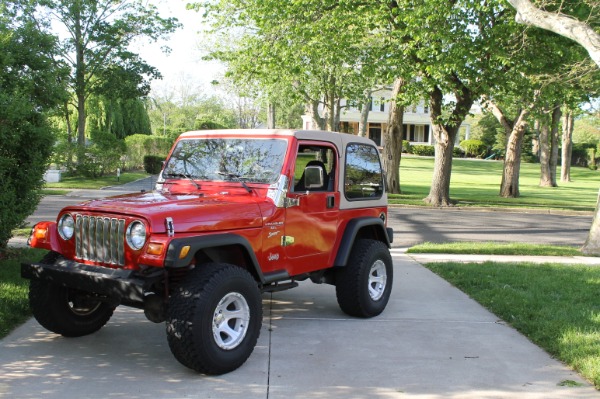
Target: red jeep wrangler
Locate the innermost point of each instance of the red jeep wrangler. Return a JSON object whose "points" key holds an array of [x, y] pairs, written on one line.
{"points": [[235, 213]]}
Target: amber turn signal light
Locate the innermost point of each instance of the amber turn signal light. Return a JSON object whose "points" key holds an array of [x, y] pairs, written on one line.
{"points": [[184, 252], [40, 233], [155, 249]]}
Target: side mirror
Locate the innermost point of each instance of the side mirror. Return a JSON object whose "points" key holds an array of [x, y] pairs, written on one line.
{"points": [[313, 177]]}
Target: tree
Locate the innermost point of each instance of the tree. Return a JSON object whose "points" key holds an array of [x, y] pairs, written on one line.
{"points": [[567, 144], [30, 89], [99, 33], [549, 126], [392, 142], [562, 24], [454, 51], [588, 38], [318, 52]]}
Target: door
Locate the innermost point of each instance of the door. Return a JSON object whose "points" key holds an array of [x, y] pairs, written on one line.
{"points": [[311, 222]]}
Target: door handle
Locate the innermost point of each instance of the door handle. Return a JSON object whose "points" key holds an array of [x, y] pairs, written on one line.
{"points": [[330, 201]]}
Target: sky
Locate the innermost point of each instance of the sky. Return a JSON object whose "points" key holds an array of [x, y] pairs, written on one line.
{"points": [[184, 65]]}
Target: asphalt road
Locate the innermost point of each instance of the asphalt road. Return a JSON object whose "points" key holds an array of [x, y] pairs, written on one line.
{"points": [[416, 225]]}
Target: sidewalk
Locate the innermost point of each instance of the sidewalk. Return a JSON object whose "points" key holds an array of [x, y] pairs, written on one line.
{"points": [[431, 258], [431, 342]]}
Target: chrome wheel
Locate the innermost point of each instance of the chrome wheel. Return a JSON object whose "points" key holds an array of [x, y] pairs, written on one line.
{"points": [[377, 280], [230, 321], [82, 306]]}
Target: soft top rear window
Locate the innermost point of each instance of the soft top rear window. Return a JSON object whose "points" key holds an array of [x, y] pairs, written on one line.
{"points": [[363, 178]]}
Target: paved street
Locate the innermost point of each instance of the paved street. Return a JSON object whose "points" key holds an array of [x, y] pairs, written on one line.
{"points": [[416, 225]]}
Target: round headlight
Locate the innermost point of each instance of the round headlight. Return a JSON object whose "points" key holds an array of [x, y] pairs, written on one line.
{"points": [[66, 226], [136, 235]]}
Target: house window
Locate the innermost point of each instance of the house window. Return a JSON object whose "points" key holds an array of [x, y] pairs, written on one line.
{"points": [[419, 133], [378, 104], [375, 133]]}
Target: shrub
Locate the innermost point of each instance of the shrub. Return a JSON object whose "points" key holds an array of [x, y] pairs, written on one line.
{"points": [[207, 124], [591, 158], [579, 154], [103, 156], [406, 146], [31, 87], [474, 148], [153, 164], [423, 150], [25, 146], [140, 145]]}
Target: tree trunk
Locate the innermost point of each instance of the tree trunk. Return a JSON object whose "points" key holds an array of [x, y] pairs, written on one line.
{"points": [[515, 131], [336, 119], [439, 193], [567, 146], [80, 81], [535, 140], [592, 244], [509, 187], [364, 113], [313, 110], [392, 141], [445, 136], [555, 122], [270, 116], [545, 179]]}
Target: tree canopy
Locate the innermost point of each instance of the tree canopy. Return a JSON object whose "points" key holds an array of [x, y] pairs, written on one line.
{"points": [[96, 47]]}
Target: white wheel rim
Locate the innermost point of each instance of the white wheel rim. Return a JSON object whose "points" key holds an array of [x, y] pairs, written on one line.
{"points": [[230, 321], [377, 280]]}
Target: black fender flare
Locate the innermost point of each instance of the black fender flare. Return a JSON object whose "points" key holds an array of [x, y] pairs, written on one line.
{"points": [[198, 243], [351, 231]]}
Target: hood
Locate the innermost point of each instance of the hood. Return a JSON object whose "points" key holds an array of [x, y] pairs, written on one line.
{"points": [[190, 213]]}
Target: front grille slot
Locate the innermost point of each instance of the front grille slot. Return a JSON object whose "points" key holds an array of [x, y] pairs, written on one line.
{"points": [[100, 239]]}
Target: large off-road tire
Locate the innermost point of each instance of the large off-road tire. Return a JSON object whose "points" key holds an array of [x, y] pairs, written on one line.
{"points": [[364, 285], [214, 318], [66, 311]]}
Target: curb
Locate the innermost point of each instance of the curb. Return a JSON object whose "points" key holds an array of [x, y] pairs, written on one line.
{"points": [[498, 209]]}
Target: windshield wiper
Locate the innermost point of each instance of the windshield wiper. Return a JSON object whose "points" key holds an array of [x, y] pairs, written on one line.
{"points": [[238, 178], [185, 175]]}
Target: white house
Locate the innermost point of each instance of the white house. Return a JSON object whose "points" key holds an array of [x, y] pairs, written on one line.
{"points": [[417, 122]]}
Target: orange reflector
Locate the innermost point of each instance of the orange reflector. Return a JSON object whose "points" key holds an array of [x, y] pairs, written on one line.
{"points": [[40, 234], [155, 248], [184, 252]]}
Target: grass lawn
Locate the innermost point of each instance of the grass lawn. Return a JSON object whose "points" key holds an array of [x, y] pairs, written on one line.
{"points": [[477, 183], [555, 306], [75, 182], [14, 307], [493, 248]]}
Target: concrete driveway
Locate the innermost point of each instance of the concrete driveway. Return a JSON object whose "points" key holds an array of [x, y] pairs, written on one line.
{"points": [[431, 342]]}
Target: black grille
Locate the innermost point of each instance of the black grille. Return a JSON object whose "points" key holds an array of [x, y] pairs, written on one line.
{"points": [[100, 239]]}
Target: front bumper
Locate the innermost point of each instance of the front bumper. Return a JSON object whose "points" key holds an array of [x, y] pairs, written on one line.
{"points": [[118, 286]]}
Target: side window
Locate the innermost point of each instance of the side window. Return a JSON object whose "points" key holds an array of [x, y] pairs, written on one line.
{"points": [[315, 156], [363, 178]]}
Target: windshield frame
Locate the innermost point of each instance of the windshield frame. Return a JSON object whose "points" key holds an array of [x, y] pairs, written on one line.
{"points": [[264, 170]]}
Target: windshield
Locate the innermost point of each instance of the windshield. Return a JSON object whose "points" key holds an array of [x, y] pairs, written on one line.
{"points": [[248, 160]]}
